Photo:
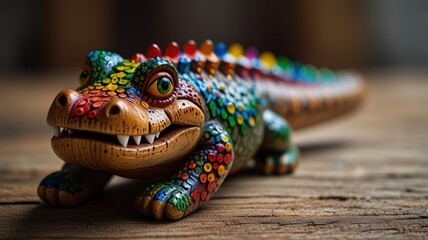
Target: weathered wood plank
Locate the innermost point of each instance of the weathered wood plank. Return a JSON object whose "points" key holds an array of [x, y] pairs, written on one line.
{"points": [[344, 175], [239, 217]]}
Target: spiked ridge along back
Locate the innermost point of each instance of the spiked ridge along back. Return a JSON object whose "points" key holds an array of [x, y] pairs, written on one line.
{"points": [[247, 63], [301, 93]]}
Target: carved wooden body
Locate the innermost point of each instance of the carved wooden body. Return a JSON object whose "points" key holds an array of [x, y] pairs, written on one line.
{"points": [[194, 116]]}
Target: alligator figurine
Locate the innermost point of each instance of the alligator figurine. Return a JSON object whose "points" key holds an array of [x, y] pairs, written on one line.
{"points": [[184, 120]]}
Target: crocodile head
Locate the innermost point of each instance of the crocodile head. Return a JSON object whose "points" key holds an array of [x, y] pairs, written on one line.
{"points": [[129, 117]]}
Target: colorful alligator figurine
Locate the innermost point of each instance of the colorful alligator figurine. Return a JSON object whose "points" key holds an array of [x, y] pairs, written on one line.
{"points": [[184, 120]]}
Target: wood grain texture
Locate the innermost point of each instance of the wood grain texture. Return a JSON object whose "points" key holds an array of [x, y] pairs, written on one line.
{"points": [[362, 177]]}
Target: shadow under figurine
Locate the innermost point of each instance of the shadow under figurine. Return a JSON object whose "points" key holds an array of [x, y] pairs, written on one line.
{"points": [[185, 120]]}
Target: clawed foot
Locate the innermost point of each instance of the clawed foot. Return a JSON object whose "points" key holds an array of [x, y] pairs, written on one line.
{"points": [[284, 163], [163, 200], [63, 189]]}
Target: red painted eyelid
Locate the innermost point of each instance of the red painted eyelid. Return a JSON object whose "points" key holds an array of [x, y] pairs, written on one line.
{"points": [[156, 102], [158, 75]]}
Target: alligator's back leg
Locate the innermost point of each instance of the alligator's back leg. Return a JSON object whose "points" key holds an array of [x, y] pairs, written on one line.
{"points": [[277, 154], [199, 178], [72, 185]]}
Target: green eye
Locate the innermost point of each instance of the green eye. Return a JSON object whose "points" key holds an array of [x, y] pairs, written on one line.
{"points": [[164, 85], [161, 88]]}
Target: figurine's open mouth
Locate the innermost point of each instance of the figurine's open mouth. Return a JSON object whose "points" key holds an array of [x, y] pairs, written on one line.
{"points": [[128, 156], [126, 141]]}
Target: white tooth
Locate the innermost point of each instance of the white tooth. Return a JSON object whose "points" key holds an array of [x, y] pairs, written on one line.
{"points": [[137, 139], [70, 131], [123, 139], [60, 129], [150, 138], [55, 131], [157, 135]]}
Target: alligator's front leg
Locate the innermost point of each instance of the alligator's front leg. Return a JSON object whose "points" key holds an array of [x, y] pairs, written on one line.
{"points": [[277, 154], [72, 185], [199, 178]]}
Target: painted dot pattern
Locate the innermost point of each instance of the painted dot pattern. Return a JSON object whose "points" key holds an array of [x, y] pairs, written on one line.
{"points": [[107, 76], [232, 103], [116, 84], [208, 166]]}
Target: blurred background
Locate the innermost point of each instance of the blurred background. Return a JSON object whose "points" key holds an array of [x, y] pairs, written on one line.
{"points": [[43, 44], [46, 35]]}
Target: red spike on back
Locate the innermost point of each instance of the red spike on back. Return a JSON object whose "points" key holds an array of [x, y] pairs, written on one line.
{"points": [[190, 48], [172, 51], [153, 52], [138, 57], [207, 48]]}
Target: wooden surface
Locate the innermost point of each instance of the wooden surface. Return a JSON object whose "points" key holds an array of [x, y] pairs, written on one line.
{"points": [[363, 176]]}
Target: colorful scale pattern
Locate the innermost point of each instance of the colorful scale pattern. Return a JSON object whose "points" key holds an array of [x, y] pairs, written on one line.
{"points": [[277, 136], [98, 65], [223, 83], [107, 74], [187, 91], [68, 180], [111, 77], [102, 89], [208, 166], [233, 102], [203, 172]]}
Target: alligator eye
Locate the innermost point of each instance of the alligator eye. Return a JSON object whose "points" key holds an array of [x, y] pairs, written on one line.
{"points": [[156, 80], [84, 76], [162, 86]]}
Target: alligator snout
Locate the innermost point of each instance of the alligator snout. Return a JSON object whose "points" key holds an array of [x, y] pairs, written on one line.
{"points": [[95, 130], [79, 104], [98, 112]]}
